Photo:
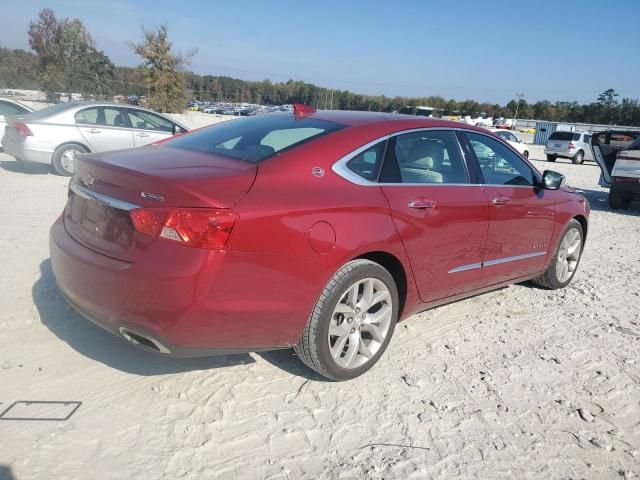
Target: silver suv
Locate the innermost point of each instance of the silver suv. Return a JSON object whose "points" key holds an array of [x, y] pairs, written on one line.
{"points": [[573, 145]]}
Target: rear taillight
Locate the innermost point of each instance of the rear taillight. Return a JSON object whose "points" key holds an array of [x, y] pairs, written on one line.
{"points": [[571, 145], [193, 227], [22, 130], [625, 180]]}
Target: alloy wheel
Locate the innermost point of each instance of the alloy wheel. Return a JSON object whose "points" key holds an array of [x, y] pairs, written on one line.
{"points": [[67, 159], [568, 255], [360, 323]]}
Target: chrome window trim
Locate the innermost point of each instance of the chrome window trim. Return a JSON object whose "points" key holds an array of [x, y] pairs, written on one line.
{"points": [[100, 198], [498, 261], [340, 166]]}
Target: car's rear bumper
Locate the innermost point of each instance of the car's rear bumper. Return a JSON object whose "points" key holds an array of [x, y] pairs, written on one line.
{"points": [[23, 151], [630, 189], [188, 301], [560, 153]]}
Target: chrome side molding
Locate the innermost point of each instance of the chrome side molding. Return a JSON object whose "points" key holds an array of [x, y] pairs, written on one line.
{"points": [[498, 261]]}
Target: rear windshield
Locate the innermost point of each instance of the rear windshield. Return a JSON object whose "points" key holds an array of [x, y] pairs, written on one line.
{"points": [[564, 136], [257, 138]]}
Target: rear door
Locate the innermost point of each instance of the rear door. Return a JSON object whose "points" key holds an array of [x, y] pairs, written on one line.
{"points": [[148, 127], [439, 211], [104, 128], [521, 215]]}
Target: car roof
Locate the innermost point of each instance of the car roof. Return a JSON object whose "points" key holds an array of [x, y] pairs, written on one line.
{"points": [[358, 118]]}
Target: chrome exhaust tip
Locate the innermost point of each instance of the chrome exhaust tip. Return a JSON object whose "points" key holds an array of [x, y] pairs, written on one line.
{"points": [[143, 341]]}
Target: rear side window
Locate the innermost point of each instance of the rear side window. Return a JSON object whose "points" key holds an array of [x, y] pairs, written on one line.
{"points": [[256, 138], [427, 157], [11, 109], [567, 136], [110, 117]]}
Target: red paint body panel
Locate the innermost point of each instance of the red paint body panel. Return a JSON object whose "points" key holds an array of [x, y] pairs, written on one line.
{"points": [[439, 239], [295, 230]]}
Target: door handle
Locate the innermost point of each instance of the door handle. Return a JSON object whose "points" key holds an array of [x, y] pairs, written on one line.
{"points": [[422, 204], [94, 130], [501, 201], [143, 135]]}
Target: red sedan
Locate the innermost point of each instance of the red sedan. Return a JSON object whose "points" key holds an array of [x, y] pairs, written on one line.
{"points": [[311, 230]]}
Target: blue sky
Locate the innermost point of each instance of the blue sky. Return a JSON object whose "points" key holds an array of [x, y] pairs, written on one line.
{"points": [[485, 50]]}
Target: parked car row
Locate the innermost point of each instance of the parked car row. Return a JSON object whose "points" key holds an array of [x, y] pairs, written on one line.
{"points": [[54, 135]]}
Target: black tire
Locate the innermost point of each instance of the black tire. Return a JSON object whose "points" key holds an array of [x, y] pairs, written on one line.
{"points": [[313, 347], [551, 158], [578, 158], [618, 202], [57, 161], [525, 154], [549, 279]]}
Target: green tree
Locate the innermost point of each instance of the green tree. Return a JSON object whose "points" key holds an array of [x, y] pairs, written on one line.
{"points": [[162, 70]]}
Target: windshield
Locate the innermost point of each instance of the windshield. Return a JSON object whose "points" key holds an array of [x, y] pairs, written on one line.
{"points": [[257, 138]]}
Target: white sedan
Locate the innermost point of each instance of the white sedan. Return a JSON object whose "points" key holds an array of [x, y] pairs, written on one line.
{"points": [[10, 107], [513, 140]]}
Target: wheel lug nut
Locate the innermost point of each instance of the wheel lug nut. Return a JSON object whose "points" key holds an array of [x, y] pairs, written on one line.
{"points": [[349, 320], [353, 330]]}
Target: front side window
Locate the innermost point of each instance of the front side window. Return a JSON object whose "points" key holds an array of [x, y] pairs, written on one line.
{"points": [[106, 116], [148, 121], [498, 163], [256, 138], [427, 157]]}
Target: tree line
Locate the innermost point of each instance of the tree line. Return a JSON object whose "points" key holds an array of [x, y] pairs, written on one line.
{"points": [[65, 59]]}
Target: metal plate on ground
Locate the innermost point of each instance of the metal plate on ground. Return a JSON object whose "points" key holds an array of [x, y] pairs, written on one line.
{"points": [[40, 410]]}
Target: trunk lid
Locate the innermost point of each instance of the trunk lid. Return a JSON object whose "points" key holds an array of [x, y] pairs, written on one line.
{"points": [[617, 153], [107, 186]]}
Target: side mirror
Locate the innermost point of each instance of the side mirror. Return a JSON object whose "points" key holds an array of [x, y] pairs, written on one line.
{"points": [[174, 129], [552, 180]]}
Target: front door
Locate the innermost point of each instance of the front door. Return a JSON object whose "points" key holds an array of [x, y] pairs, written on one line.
{"points": [[148, 127], [521, 215], [440, 216]]}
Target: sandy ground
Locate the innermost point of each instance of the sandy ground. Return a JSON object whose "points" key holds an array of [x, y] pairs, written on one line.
{"points": [[520, 382]]}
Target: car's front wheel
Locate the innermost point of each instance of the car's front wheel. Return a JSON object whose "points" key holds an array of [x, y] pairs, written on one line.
{"points": [[566, 259], [352, 321], [63, 158], [578, 158]]}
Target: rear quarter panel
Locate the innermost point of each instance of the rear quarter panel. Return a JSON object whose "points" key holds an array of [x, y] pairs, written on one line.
{"points": [[287, 200]]}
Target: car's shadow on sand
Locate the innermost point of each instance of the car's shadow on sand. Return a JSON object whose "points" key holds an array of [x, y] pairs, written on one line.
{"points": [[599, 201], [25, 167], [95, 343]]}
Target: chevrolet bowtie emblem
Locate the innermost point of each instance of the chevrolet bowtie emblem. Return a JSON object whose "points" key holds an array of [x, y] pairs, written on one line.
{"points": [[87, 179]]}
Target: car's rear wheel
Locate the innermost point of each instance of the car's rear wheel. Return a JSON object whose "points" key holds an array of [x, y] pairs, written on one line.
{"points": [[551, 158], [578, 158], [63, 163], [566, 259], [526, 154], [352, 321], [618, 202]]}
